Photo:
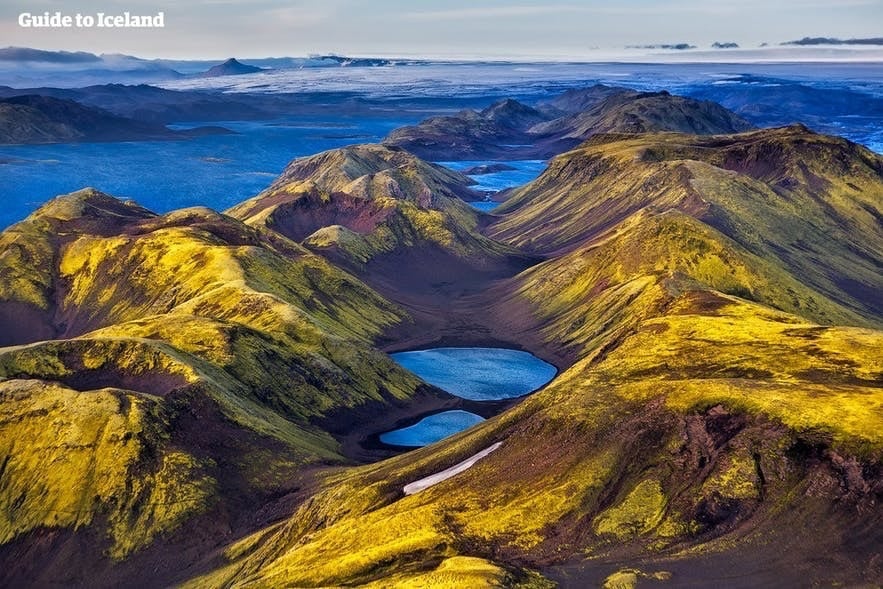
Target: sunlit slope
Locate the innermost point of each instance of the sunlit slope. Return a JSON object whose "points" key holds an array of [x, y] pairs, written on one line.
{"points": [[188, 349], [380, 211], [807, 202], [714, 405]]}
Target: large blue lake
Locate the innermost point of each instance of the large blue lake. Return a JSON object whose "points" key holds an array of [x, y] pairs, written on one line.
{"points": [[217, 171], [479, 374]]}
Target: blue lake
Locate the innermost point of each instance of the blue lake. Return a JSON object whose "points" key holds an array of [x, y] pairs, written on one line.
{"points": [[479, 374], [431, 429]]}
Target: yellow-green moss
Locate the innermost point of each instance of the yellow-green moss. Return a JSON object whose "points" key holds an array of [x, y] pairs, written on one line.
{"points": [[69, 457], [638, 513]]}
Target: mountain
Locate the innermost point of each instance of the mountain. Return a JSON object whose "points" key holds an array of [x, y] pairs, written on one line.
{"points": [[510, 130], [231, 67], [25, 54], [577, 100], [42, 119], [156, 105], [769, 101], [717, 396], [808, 201]]}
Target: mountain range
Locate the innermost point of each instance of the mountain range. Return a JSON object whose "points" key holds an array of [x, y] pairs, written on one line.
{"points": [[186, 397], [510, 130]]}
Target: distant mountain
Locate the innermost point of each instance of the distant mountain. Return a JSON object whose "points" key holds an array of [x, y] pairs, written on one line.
{"points": [[358, 61], [579, 99], [498, 131], [42, 119], [25, 54], [724, 45], [231, 67], [159, 105], [768, 101], [675, 46], [23, 66], [835, 41]]}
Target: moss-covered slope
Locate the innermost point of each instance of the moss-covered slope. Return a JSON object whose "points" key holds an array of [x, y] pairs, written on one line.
{"points": [[808, 203]]}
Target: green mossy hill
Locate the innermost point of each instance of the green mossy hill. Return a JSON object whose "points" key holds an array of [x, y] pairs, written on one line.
{"points": [[213, 287], [583, 299], [95, 458], [367, 172], [211, 358], [808, 203], [372, 203]]}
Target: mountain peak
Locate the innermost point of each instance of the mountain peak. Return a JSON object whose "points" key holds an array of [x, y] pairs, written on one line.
{"points": [[511, 113], [231, 67]]}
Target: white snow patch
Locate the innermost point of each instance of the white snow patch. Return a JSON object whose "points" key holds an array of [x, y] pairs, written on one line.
{"points": [[447, 473]]}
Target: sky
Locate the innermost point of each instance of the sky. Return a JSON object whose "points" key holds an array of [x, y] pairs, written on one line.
{"points": [[215, 29]]}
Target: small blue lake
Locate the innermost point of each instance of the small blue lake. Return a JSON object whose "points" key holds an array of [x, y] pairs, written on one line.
{"points": [[477, 374], [432, 429]]}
